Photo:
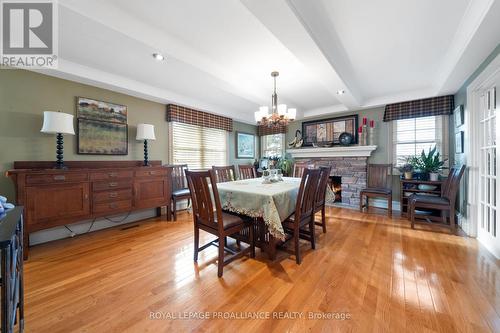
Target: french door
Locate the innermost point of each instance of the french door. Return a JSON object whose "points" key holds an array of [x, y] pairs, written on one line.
{"points": [[489, 167]]}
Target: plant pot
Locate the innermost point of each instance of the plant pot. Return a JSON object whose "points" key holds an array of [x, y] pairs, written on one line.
{"points": [[433, 176], [408, 175]]}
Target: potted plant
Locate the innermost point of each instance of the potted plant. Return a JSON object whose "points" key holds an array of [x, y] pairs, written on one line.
{"points": [[406, 170], [431, 163], [407, 166], [285, 165]]}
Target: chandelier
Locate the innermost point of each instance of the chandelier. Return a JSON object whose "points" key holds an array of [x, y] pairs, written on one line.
{"points": [[279, 116]]}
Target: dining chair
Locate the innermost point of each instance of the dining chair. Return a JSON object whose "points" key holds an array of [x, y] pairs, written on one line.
{"points": [[180, 190], [319, 205], [304, 210], [445, 203], [379, 186], [247, 171], [298, 169], [208, 216], [224, 173]]}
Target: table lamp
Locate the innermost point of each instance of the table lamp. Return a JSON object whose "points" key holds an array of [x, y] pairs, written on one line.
{"points": [[58, 123], [145, 132]]}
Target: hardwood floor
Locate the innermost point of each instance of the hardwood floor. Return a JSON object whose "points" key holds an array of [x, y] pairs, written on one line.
{"points": [[378, 271]]}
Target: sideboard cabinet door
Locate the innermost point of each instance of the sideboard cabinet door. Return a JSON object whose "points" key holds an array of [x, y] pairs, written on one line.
{"points": [[47, 205], [153, 192]]}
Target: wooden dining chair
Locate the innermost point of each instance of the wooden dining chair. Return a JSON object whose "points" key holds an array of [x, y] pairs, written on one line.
{"points": [[379, 186], [445, 203], [180, 190], [298, 169], [319, 205], [247, 171], [208, 216], [304, 210], [224, 173]]}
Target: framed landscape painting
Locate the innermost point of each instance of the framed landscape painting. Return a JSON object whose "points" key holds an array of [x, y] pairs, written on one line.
{"points": [[329, 130], [102, 111], [245, 145], [102, 138]]}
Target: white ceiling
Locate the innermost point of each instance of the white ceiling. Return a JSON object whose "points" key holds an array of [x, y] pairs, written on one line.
{"points": [[220, 52]]}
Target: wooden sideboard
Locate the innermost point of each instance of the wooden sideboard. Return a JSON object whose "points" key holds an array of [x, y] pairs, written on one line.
{"points": [[87, 190]]}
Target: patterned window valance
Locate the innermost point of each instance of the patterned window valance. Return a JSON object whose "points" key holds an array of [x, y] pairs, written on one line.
{"points": [[186, 115], [264, 130], [434, 106]]}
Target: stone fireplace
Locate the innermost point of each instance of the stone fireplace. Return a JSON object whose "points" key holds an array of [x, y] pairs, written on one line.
{"points": [[349, 165]]}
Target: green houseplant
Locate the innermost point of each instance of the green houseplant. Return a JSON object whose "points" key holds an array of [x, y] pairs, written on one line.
{"points": [[431, 163], [285, 165]]}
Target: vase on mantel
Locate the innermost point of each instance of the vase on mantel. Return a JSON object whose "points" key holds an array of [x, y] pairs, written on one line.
{"points": [[371, 136], [364, 136]]}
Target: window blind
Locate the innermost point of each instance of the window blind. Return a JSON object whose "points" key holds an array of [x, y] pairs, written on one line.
{"points": [[411, 136], [198, 147]]}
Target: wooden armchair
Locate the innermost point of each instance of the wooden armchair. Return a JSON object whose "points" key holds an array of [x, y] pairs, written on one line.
{"points": [[304, 211], [379, 186], [445, 203], [224, 173], [180, 190], [215, 221], [247, 171], [299, 167]]}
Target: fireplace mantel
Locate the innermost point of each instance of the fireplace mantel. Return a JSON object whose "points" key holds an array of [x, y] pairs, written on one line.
{"points": [[348, 151]]}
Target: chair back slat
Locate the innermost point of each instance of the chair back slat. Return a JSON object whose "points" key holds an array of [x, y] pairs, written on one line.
{"points": [[247, 171], [179, 180], [204, 197], [322, 184], [452, 183], [299, 167], [380, 176], [307, 194], [224, 173]]}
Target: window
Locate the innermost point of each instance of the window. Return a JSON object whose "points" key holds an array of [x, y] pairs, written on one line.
{"points": [[273, 145], [411, 136], [198, 147]]}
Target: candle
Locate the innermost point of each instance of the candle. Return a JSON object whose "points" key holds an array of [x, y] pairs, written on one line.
{"points": [[364, 121], [360, 129], [372, 123]]}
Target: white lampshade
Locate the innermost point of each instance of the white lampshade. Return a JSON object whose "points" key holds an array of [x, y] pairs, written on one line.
{"points": [[57, 122], [282, 109], [145, 132], [292, 113], [257, 116], [264, 111]]}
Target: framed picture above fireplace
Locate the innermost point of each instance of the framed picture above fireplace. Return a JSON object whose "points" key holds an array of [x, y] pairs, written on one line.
{"points": [[327, 131]]}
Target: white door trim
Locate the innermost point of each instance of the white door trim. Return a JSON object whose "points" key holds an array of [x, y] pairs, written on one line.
{"points": [[472, 150]]}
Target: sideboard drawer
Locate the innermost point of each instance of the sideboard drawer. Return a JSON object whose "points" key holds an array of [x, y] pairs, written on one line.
{"points": [[110, 207], [110, 175], [108, 196], [111, 185], [55, 178], [160, 172]]}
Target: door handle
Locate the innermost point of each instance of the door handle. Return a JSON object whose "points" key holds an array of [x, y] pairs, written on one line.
{"points": [[112, 174], [60, 177], [113, 195], [113, 184]]}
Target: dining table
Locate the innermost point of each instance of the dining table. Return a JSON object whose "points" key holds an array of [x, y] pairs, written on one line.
{"points": [[270, 203]]}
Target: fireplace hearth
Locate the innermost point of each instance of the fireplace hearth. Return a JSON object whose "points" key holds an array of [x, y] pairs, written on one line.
{"points": [[336, 186]]}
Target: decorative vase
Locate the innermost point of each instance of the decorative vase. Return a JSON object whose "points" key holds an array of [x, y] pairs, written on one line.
{"points": [[364, 135], [371, 136], [433, 176], [408, 175]]}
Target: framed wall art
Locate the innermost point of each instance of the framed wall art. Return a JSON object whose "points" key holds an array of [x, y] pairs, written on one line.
{"points": [[328, 130], [245, 145], [102, 138], [459, 115], [92, 109]]}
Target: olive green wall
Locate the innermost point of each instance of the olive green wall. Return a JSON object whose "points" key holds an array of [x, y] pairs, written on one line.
{"points": [[24, 95]]}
